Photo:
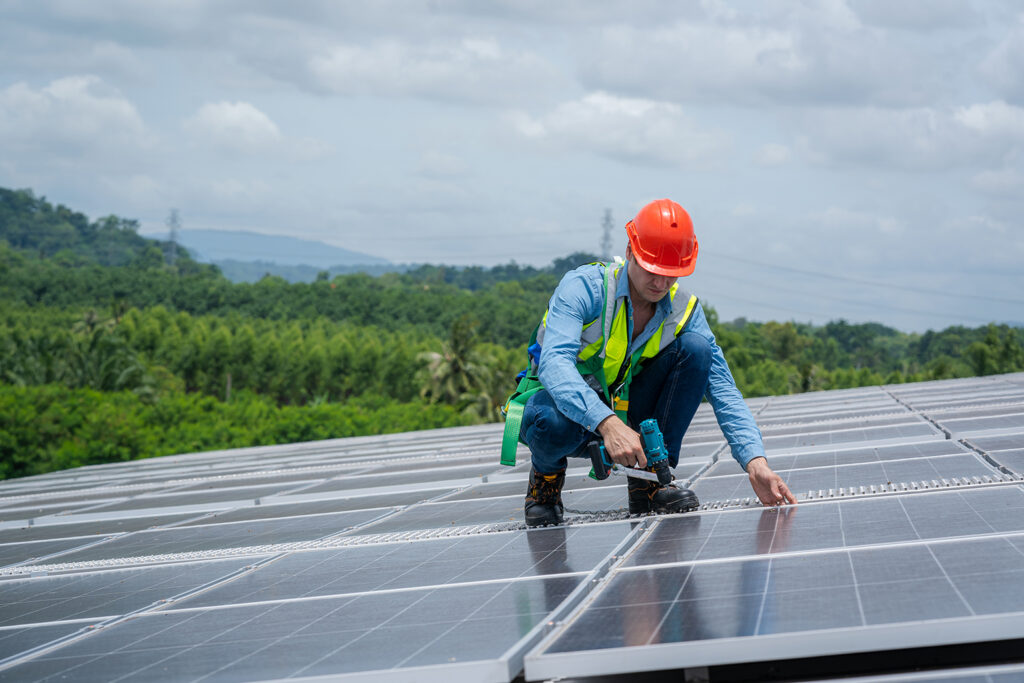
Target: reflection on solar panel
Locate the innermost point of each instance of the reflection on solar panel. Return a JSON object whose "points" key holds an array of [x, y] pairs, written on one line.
{"points": [[403, 557]]}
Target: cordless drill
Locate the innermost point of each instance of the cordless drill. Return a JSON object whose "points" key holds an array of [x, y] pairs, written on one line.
{"points": [[654, 450]]}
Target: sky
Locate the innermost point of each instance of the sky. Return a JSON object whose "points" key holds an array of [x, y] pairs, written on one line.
{"points": [[841, 159]]}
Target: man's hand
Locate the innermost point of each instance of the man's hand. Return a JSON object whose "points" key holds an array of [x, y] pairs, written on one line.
{"points": [[621, 443], [768, 486]]}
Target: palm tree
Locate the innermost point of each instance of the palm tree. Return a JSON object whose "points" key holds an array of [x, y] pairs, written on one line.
{"points": [[457, 373]]}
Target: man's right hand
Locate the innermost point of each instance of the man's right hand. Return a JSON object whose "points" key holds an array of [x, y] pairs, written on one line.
{"points": [[621, 443]]}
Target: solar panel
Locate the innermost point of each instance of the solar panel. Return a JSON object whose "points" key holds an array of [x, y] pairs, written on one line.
{"points": [[106, 527], [403, 557], [18, 640], [102, 594], [407, 629], [190, 539], [700, 607]]}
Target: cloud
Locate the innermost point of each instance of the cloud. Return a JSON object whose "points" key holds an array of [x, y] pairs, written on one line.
{"points": [[74, 118], [789, 54], [235, 126], [440, 165], [993, 119], [239, 128], [1005, 182], [1003, 66], [922, 138], [916, 16], [477, 70], [773, 154], [627, 129]]}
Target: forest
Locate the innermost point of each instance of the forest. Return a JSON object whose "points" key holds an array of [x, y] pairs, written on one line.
{"points": [[115, 347]]}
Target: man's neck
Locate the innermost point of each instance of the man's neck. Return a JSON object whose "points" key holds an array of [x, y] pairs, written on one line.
{"points": [[640, 304]]}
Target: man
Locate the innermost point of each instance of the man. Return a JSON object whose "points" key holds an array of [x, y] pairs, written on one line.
{"points": [[621, 343]]}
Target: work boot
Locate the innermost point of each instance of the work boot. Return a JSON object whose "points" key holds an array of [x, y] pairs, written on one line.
{"points": [[544, 498], [650, 496]]}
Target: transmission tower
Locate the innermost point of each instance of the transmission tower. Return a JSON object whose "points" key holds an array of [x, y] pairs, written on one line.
{"points": [[173, 224], [606, 236]]}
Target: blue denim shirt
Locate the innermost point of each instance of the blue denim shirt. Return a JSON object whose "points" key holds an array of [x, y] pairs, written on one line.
{"points": [[578, 299]]}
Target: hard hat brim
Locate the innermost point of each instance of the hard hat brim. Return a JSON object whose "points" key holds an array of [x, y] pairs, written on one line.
{"points": [[682, 270]]}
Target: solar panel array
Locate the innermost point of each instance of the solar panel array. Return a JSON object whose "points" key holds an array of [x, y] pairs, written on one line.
{"points": [[403, 556]]}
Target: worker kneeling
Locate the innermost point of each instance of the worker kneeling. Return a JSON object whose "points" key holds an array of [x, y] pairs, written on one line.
{"points": [[620, 344]]}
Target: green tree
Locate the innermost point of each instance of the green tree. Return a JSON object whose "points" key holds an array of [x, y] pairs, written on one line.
{"points": [[459, 371]]}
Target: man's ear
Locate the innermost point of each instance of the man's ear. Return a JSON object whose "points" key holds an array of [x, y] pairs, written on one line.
{"points": [[629, 251]]}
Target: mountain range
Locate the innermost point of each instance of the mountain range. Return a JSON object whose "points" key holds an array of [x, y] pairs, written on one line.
{"points": [[248, 256]]}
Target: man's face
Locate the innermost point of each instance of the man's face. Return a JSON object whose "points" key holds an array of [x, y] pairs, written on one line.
{"points": [[648, 286]]}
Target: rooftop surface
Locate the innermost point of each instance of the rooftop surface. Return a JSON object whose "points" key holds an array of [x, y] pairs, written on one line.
{"points": [[403, 557]]}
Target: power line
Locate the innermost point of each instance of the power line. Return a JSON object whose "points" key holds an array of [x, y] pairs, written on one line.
{"points": [[873, 305], [870, 283], [832, 316]]}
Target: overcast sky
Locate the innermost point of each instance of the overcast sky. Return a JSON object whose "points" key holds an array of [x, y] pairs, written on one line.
{"points": [[857, 159]]}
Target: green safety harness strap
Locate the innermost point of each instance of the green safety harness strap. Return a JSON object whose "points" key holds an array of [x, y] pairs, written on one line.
{"points": [[513, 410]]}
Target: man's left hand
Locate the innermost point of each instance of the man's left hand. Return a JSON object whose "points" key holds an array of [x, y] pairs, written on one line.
{"points": [[768, 486]]}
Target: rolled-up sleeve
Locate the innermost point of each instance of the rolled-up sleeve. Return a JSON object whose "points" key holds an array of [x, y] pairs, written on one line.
{"points": [[731, 411], [577, 300]]}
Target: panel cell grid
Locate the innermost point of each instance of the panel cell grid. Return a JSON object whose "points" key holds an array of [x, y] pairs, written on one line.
{"points": [[218, 536], [97, 594], [877, 474], [840, 524], [693, 605], [308, 638], [851, 456], [540, 552]]}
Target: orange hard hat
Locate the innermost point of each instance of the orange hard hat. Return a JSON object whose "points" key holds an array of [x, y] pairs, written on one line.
{"points": [[662, 240]]}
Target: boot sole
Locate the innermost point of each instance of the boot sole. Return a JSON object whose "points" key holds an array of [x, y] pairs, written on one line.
{"points": [[688, 507]]}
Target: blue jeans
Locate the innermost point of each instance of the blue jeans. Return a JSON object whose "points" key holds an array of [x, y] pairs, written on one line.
{"points": [[669, 389]]}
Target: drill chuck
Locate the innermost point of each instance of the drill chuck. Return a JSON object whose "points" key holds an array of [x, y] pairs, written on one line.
{"points": [[654, 450]]}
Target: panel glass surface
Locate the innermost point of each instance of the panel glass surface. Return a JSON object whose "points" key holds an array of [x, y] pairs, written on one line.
{"points": [[268, 510], [99, 527], [443, 515], [844, 523], [981, 424], [226, 496], [309, 638], [14, 641], [95, 594], [1011, 460], [394, 475], [76, 499], [540, 552], [818, 426], [14, 553], [217, 536], [998, 443], [849, 436], [26, 511], [801, 481], [832, 416], [293, 479], [851, 456], [776, 595]]}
